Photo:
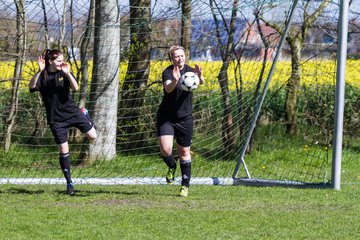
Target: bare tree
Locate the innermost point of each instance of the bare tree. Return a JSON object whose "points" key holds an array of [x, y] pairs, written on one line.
{"points": [[137, 75], [62, 21], [83, 67], [20, 57], [266, 38], [227, 56], [46, 27], [105, 82], [84, 55], [296, 40], [185, 25]]}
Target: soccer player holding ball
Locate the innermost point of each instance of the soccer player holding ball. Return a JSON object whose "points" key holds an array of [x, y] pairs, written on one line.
{"points": [[174, 117], [54, 81]]}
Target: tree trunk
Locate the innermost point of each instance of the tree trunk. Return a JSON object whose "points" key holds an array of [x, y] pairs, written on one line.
{"points": [[83, 73], [62, 21], [105, 82], [186, 26], [40, 122], [296, 42], [84, 56], [227, 133], [227, 51], [20, 49], [46, 29], [293, 86], [137, 75], [259, 84]]}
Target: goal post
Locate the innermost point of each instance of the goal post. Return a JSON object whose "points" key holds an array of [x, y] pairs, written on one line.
{"points": [[250, 80], [340, 94], [262, 98], [338, 115]]}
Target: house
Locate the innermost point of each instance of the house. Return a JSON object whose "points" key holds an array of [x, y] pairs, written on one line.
{"points": [[258, 42]]}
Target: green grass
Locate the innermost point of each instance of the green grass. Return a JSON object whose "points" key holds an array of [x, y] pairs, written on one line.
{"points": [[210, 212], [276, 156]]}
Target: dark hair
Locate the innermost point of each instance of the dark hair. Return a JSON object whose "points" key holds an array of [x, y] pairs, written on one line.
{"points": [[50, 55]]}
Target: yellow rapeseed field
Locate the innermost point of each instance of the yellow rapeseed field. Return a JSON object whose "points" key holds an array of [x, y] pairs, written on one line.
{"points": [[313, 72]]}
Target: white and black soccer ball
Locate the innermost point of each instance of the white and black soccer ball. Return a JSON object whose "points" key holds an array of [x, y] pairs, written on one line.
{"points": [[189, 81]]}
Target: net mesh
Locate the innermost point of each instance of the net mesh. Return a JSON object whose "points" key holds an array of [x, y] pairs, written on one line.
{"points": [[32, 153]]}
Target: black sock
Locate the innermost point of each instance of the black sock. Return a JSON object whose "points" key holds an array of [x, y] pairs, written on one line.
{"points": [[185, 166], [169, 161], [65, 166]]}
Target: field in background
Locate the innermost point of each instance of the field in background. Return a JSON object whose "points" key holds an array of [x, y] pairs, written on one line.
{"points": [[324, 70]]}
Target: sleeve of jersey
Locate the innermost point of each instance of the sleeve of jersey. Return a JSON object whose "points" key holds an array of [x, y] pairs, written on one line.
{"points": [[167, 75], [37, 87]]}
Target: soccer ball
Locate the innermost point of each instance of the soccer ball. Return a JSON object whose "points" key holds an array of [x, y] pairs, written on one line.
{"points": [[189, 81]]}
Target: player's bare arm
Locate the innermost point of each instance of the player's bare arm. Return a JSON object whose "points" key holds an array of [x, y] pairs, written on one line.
{"points": [[73, 83], [198, 72], [170, 85], [35, 78]]}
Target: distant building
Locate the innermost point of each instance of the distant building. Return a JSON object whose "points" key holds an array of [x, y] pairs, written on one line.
{"points": [[74, 54], [250, 41], [258, 42], [354, 39]]}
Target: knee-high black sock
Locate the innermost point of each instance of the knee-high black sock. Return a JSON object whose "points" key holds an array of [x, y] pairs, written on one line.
{"points": [[169, 161], [185, 166], [65, 166]]}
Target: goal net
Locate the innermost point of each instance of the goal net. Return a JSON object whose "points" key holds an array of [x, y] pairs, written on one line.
{"points": [[265, 112]]}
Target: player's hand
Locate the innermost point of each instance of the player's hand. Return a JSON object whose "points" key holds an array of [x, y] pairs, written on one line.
{"points": [[65, 68], [198, 72], [176, 73], [41, 62]]}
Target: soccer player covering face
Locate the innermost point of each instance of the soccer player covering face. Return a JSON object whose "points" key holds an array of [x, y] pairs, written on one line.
{"points": [[174, 118], [54, 81]]}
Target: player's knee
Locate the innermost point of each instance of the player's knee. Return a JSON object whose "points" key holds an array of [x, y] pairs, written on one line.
{"points": [[91, 138], [165, 151], [165, 148], [91, 135], [63, 147], [184, 152]]}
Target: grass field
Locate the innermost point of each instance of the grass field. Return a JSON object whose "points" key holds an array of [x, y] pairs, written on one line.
{"points": [[210, 212]]}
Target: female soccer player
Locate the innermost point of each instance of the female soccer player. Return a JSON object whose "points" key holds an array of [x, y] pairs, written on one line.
{"points": [[174, 118], [53, 81]]}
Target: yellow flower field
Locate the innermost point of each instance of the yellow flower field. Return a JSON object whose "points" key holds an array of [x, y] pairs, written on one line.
{"points": [[319, 73]]}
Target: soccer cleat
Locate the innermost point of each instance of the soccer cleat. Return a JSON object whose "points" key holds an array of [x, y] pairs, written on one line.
{"points": [[170, 176], [184, 191], [70, 189]]}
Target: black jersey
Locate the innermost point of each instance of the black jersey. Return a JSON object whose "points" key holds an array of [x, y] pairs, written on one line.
{"points": [[177, 103], [55, 93]]}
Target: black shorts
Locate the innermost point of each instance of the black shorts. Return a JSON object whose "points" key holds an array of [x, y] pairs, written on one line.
{"points": [[60, 130], [180, 128]]}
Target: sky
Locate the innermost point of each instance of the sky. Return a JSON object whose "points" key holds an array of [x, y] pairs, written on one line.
{"points": [[355, 5]]}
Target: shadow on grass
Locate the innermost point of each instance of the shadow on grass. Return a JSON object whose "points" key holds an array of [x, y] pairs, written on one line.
{"points": [[78, 193], [22, 191], [87, 193]]}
